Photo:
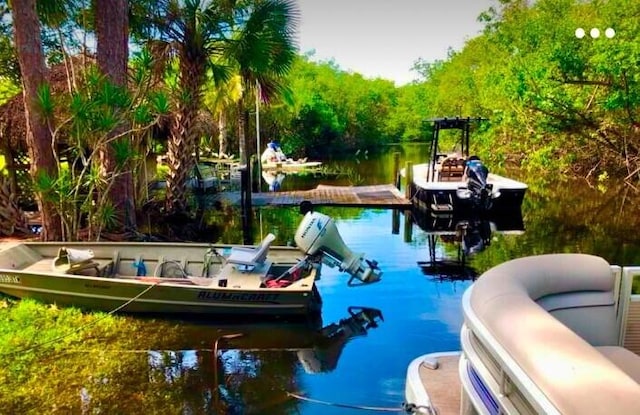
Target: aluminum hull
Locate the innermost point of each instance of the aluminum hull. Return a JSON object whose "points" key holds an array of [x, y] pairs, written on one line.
{"points": [[179, 280]]}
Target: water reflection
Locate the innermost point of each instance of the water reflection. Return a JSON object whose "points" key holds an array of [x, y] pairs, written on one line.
{"points": [[194, 367], [452, 239], [273, 179]]}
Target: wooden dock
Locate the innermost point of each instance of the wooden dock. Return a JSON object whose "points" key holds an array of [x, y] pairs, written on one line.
{"points": [[376, 196]]}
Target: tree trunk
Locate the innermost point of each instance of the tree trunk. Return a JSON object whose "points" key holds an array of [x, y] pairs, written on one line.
{"points": [[112, 33], [223, 142], [183, 137], [33, 71], [242, 131]]}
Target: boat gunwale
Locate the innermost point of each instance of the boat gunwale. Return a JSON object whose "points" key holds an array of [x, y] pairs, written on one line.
{"points": [[295, 286], [517, 375], [414, 382]]}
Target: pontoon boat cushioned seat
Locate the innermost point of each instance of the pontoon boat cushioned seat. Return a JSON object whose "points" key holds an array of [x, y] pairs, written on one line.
{"points": [[251, 256], [546, 314]]}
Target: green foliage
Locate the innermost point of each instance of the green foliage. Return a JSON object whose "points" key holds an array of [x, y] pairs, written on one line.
{"points": [[85, 119], [159, 102], [333, 112], [45, 101], [8, 89], [555, 102]]}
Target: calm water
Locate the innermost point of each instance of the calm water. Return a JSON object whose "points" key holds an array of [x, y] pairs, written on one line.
{"points": [[420, 311]]}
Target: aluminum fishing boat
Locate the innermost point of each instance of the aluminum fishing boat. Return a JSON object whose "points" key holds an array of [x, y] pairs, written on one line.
{"points": [[184, 278]]}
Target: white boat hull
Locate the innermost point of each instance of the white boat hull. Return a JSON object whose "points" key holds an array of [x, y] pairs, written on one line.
{"points": [[452, 196]]}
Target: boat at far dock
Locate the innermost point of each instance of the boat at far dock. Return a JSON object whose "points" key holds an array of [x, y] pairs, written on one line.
{"points": [[273, 159], [457, 181]]}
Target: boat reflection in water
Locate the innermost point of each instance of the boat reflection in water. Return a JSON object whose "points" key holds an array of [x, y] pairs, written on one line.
{"points": [[197, 367], [467, 234], [274, 179], [317, 349]]}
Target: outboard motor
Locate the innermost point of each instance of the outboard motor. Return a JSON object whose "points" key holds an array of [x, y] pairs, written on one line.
{"points": [[317, 234], [476, 236], [481, 191]]}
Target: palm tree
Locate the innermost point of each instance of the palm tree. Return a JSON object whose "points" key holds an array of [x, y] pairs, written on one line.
{"points": [[219, 101], [112, 33], [263, 50], [190, 35], [202, 36], [33, 71]]}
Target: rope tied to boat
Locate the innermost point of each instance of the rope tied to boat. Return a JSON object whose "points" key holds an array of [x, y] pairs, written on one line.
{"points": [[343, 405]]}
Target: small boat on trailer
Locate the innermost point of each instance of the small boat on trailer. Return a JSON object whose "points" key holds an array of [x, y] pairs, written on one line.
{"points": [[546, 334], [456, 181], [184, 278]]}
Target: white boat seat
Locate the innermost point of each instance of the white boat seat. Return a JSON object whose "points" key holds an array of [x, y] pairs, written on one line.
{"points": [[70, 260], [251, 257]]}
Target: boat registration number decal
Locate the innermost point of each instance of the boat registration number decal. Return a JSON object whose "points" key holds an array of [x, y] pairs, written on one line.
{"points": [[9, 279], [211, 296]]}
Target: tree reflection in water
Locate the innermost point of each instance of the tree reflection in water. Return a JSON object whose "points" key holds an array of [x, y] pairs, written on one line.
{"points": [[191, 368]]}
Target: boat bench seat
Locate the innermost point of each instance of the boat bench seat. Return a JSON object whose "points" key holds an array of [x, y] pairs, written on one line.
{"points": [[95, 267], [451, 169], [550, 322]]}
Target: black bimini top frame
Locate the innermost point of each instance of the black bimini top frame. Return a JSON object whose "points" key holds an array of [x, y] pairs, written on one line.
{"points": [[447, 123]]}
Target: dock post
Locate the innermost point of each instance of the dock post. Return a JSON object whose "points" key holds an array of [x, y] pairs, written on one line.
{"points": [[396, 169], [408, 180], [245, 203], [255, 171], [408, 226], [395, 222]]}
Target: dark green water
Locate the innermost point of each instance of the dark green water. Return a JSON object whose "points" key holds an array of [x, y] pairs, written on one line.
{"points": [[175, 369]]}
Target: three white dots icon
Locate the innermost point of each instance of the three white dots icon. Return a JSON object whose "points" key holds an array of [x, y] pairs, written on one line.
{"points": [[595, 33]]}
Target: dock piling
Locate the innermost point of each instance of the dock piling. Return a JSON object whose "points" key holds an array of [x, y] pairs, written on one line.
{"points": [[395, 222], [408, 226], [245, 203], [255, 174], [396, 169], [408, 180]]}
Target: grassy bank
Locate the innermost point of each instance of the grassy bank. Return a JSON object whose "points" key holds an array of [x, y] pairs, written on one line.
{"points": [[40, 371]]}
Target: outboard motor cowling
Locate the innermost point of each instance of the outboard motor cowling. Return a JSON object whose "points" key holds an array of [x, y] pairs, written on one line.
{"points": [[481, 191], [318, 234]]}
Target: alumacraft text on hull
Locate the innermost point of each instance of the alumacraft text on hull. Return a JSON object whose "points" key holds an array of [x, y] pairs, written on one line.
{"points": [[181, 278], [458, 181], [548, 334]]}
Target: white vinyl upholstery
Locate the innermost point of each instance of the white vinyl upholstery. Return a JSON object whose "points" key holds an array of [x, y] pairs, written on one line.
{"points": [[548, 313], [251, 256]]}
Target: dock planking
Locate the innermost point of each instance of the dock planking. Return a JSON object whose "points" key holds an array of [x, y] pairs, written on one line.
{"points": [[381, 196]]}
